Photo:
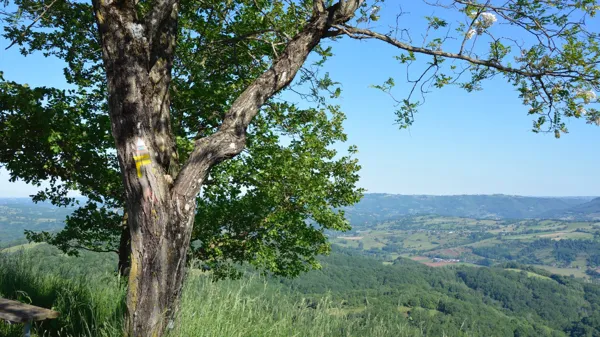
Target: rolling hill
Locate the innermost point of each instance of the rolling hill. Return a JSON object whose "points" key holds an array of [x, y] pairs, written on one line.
{"points": [[589, 211], [18, 214], [380, 207]]}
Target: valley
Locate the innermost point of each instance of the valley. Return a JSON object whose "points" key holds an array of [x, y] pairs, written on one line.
{"points": [[559, 246], [20, 214]]}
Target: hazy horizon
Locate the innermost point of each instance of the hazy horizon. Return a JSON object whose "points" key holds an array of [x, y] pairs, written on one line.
{"points": [[3, 196]]}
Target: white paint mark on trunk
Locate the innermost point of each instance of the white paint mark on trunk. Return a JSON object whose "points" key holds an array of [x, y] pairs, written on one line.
{"points": [[137, 30]]}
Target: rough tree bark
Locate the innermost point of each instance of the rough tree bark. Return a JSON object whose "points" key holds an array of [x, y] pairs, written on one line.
{"points": [[160, 200]]}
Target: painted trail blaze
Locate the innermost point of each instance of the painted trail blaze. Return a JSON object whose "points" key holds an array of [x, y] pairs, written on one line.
{"points": [[142, 156]]}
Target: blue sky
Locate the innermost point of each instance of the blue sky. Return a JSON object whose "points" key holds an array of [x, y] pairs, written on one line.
{"points": [[460, 143]]}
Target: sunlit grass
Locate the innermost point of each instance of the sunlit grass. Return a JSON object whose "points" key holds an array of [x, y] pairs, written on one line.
{"points": [[92, 304]]}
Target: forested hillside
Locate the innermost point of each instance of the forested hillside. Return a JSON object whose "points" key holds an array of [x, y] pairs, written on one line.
{"points": [[18, 214], [459, 300], [586, 211], [368, 286], [559, 246]]}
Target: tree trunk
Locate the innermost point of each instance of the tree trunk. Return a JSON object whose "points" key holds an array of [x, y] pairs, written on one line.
{"points": [[138, 73], [157, 267]]}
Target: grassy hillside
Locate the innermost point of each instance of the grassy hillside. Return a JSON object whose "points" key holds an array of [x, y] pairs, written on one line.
{"points": [[370, 287], [90, 299], [350, 296]]}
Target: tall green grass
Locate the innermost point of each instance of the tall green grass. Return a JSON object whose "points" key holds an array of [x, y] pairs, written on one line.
{"points": [[91, 303], [252, 307]]}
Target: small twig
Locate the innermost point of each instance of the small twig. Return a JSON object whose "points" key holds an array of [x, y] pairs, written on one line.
{"points": [[32, 23]]}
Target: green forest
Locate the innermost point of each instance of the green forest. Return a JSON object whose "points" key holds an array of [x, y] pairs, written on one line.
{"points": [[460, 300]]}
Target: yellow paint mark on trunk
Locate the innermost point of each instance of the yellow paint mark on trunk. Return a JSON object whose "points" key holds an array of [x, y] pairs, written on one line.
{"points": [[140, 161], [100, 18]]}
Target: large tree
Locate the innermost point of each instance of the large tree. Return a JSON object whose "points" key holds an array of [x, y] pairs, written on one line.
{"points": [[172, 113]]}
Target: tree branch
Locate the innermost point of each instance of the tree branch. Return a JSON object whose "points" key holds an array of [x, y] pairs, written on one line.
{"points": [[359, 33], [248, 36], [38, 18], [230, 139], [162, 11], [95, 250]]}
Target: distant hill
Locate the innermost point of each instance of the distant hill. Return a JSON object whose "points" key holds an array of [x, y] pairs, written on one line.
{"points": [[380, 207], [589, 211], [18, 214]]}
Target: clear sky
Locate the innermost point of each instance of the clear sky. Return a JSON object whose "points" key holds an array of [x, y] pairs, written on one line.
{"points": [[460, 143]]}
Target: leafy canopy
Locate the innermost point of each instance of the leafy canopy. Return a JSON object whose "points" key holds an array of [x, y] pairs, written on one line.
{"points": [[270, 205]]}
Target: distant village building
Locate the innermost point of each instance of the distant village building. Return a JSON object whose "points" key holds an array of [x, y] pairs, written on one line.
{"points": [[437, 259]]}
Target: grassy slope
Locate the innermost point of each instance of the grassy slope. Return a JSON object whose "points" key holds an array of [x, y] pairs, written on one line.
{"points": [[91, 302], [17, 248]]}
